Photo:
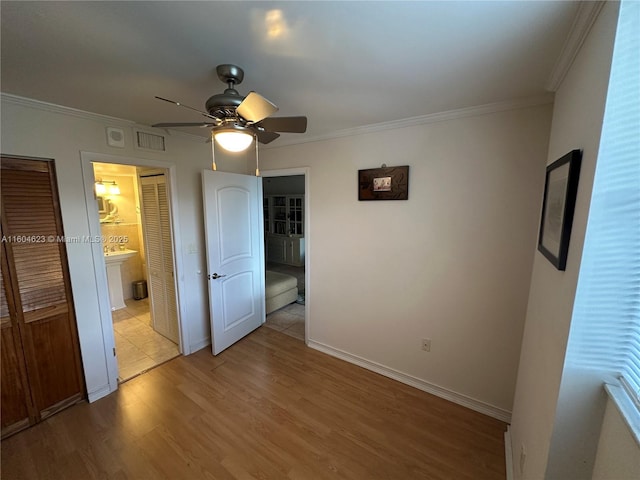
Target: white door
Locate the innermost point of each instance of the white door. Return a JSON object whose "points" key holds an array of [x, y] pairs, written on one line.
{"points": [[156, 222], [235, 255]]}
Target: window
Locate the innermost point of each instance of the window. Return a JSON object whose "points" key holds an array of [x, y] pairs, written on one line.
{"points": [[607, 306]]}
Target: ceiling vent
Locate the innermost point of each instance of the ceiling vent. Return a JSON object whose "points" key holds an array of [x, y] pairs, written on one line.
{"points": [[150, 141]]}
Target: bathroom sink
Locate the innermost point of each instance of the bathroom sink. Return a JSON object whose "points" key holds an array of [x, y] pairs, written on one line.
{"points": [[119, 256], [114, 277]]}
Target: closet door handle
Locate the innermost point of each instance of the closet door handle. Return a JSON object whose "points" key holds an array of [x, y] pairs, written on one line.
{"points": [[215, 276]]}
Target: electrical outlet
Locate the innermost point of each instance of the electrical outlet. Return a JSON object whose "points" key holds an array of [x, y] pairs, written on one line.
{"points": [[426, 344], [523, 458]]}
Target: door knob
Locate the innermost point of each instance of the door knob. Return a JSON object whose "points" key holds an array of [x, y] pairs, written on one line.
{"points": [[215, 276]]}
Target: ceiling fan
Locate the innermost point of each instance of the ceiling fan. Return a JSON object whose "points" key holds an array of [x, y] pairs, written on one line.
{"points": [[236, 120]]}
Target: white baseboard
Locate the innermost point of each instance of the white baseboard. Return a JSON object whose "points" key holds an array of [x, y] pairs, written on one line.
{"points": [[100, 392], [508, 453], [473, 404]]}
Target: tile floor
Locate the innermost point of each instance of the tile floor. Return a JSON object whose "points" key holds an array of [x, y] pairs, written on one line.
{"points": [[138, 346], [288, 320]]}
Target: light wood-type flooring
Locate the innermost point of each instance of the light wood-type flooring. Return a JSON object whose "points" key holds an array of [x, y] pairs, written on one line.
{"points": [[266, 408]]}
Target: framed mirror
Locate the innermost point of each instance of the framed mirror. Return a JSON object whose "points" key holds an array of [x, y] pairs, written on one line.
{"points": [[103, 205]]}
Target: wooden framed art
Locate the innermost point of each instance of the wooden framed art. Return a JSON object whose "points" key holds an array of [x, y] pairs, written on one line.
{"points": [[385, 183], [560, 189]]}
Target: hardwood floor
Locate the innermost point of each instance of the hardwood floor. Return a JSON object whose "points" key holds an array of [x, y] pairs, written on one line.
{"points": [[266, 408]]}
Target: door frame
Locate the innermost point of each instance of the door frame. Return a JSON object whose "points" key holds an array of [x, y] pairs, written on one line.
{"points": [[99, 265], [306, 171]]}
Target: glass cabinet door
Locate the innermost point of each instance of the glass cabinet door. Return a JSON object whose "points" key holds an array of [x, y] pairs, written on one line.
{"points": [[280, 215], [295, 216]]}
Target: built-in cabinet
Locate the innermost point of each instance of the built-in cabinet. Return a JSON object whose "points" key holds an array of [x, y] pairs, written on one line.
{"points": [[284, 228], [41, 365]]}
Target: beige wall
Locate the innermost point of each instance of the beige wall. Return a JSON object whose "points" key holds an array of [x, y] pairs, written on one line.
{"points": [[452, 263], [618, 454], [577, 122], [37, 130]]}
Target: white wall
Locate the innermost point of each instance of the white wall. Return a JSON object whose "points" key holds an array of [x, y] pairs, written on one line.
{"points": [[51, 132], [618, 454], [452, 263], [539, 405]]}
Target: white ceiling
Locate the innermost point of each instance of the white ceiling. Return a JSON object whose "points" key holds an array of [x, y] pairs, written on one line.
{"points": [[343, 64]]}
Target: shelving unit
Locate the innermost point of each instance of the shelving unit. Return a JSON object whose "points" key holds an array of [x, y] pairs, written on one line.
{"points": [[284, 228]]}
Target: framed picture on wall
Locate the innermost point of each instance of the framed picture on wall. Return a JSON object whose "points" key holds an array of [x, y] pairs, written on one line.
{"points": [[385, 183], [560, 189]]}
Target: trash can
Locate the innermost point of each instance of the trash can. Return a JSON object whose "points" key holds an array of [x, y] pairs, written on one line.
{"points": [[140, 289]]}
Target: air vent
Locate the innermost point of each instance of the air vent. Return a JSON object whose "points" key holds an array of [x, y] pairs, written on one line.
{"points": [[149, 141]]}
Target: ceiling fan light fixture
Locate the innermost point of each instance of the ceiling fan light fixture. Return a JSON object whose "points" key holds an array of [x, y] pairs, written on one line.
{"points": [[234, 139]]}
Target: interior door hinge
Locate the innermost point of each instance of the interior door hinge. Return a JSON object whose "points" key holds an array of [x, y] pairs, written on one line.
{"points": [[114, 351]]}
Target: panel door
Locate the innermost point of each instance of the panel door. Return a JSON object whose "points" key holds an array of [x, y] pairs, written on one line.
{"points": [[235, 255]]}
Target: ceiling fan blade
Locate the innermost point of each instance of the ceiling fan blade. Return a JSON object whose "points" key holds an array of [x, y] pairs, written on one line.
{"points": [[266, 137], [255, 108], [186, 106], [285, 124], [188, 124]]}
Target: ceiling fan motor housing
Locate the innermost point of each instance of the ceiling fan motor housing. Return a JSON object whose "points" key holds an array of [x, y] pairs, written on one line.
{"points": [[220, 103], [234, 112], [226, 103]]}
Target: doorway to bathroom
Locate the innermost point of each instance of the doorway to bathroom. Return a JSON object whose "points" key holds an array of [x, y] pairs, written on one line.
{"points": [[135, 227]]}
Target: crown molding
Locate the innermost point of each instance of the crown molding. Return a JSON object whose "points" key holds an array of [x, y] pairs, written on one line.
{"points": [[95, 117], [73, 112], [486, 109], [588, 11]]}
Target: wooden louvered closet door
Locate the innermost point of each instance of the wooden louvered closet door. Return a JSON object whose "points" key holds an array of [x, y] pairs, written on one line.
{"points": [[40, 350]]}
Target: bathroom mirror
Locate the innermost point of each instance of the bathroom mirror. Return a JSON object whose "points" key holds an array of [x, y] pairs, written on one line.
{"points": [[107, 210], [103, 205]]}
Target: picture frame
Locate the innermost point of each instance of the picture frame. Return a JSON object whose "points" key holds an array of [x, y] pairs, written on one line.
{"points": [[384, 183], [559, 201]]}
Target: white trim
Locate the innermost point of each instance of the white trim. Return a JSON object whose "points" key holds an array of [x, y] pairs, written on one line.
{"points": [[447, 115], [418, 383], [627, 408], [74, 112], [508, 453], [102, 292], [584, 20], [87, 159], [420, 120], [99, 393], [287, 172], [97, 117]]}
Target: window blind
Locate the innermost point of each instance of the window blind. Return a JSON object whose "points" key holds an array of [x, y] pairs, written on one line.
{"points": [[607, 305]]}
